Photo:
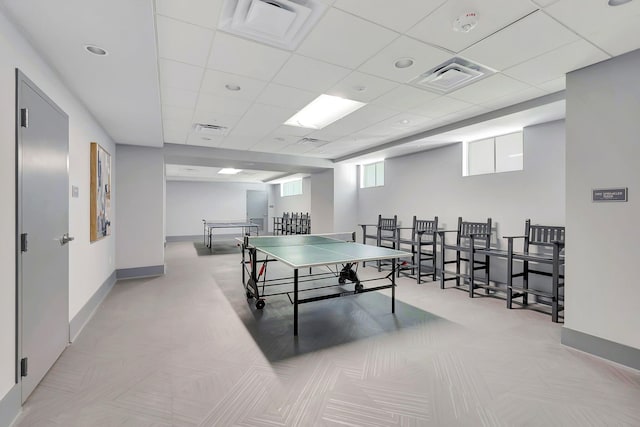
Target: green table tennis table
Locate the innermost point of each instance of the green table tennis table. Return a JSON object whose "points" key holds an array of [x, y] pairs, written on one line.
{"points": [[337, 254]]}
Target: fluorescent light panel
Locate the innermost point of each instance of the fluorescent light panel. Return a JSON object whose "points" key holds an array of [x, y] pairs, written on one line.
{"points": [[323, 111], [229, 171]]}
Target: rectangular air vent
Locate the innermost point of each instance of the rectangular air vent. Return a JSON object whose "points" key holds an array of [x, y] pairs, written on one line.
{"points": [[210, 130], [280, 23], [451, 75]]}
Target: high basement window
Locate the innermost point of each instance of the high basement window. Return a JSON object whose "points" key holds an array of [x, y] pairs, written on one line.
{"points": [[291, 188], [502, 153], [372, 175]]}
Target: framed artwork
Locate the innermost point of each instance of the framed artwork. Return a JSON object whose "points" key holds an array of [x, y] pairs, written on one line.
{"points": [[100, 193]]}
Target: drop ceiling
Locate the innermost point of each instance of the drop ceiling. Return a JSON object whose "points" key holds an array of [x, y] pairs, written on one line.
{"points": [[170, 66]]}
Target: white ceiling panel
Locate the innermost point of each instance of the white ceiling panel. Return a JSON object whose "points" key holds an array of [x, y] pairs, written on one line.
{"points": [[293, 130], [440, 107], [183, 42], [360, 119], [398, 125], [513, 98], [238, 142], [219, 119], [296, 149], [208, 103], [179, 98], [199, 12], [423, 55], [362, 87], [180, 75], [346, 40], [544, 3], [239, 56], [310, 74], [399, 15], [261, 120], [182, 126], [493, 15], [492, 87], [175, 113], [203, 141], [174, 137], [286, 96], [614, 29], [215, 83], [554, 85], [520, 42], [404, 98], [557, 63]]}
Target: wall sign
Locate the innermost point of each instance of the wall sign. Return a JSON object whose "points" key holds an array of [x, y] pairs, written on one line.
{"points": [[610, 195]]}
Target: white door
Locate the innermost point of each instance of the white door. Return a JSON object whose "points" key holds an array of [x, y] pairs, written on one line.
{"points": [[43, 224], [257, 208]]}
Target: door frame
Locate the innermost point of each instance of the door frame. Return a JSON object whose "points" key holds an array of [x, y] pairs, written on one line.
{"points": [[22, 78]]}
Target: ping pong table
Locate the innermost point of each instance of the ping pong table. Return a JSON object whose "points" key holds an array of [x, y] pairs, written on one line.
{"points": [[211, 225], [337, 254]]}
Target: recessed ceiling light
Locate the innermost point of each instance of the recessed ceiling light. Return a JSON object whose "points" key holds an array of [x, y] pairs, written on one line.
{"points": [[359, 88], [618, 2], [95, 50], [403, 63], [231, 87], [323, 111], [404, 122], [229, 171]]}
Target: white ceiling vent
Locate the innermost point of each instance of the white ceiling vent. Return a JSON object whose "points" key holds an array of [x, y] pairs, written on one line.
{"points": [[280, 23], [210, 130], [451, 75]]}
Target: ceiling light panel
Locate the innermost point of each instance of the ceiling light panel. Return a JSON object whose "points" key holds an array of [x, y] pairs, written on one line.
{"points": [[229, 171], [323, 111], [375, 87], [520, 42], [232, 54], [494, 15], [204, 13], [183, 42], [399, 15], [179, 75], [424, 56], [358, 39], [310, 74]]}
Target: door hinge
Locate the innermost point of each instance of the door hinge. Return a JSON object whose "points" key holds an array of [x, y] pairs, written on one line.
{"points": [[23, 242], [24, 367], [24, 117]]}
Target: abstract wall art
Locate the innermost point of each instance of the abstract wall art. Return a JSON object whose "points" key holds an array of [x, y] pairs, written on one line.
{"points": [[100, 194]]}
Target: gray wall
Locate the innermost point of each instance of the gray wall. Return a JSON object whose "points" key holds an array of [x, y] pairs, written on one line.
{"points": [[140, 201], [322, 202], [603, 148], [299, 203], [345, 198], [188, 203]]}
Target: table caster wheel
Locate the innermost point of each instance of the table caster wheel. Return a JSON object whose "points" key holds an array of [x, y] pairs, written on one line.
{"points": [[341, 280], [260, 304], [249, 294], [359, 287]]}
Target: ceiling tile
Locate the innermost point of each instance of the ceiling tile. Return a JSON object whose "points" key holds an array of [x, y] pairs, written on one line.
{"points": [[513, 98], [345, 40], [614, 29], [544, 3], [310, 74], [360, 119], [183, 126], [293, 131], [285, 96], [239, 56], [179, 75], [174, 137], [203, 141], [260, 120], [554, 85], [437, 28], [489, 88], [361, 87], [557, 63], [235, 142], [296, 149], [183, 42], [532, 36], [424, 56], [219, 119], [399, 15], [440, 107], [208, 103], [178, 97], [405, 97], [200, 12], [215, 81], [176, 113], [398, 125]]}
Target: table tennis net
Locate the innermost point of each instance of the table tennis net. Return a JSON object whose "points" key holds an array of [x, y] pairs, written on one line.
{"points": [[299, 240]]}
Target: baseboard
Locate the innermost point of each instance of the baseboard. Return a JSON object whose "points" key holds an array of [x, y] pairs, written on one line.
{"points": [[10, 406], [191, 238], [616, 352], [86, 312], [138, 272]]}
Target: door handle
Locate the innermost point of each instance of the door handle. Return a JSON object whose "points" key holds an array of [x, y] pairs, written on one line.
{"points": [[66, 239]]}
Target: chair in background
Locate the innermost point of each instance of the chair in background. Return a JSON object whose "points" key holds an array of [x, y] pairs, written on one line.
{"points": [[423, 247], [385, 234]]}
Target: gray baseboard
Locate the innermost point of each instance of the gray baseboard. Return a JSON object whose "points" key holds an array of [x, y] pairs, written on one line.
{"points": [[10, 406], [138, 272], [86, 312], [616, 352], [193, 238]]}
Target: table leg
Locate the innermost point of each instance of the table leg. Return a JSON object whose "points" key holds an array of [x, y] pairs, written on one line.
{"points": [[393, 286], [295, 302]]}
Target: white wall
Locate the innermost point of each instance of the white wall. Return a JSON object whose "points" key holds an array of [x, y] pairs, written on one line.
{"points": [[188, 203], [140, 199], [299, 203], [322, 215], [89, 264], [603, 148], [345, 198]]}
